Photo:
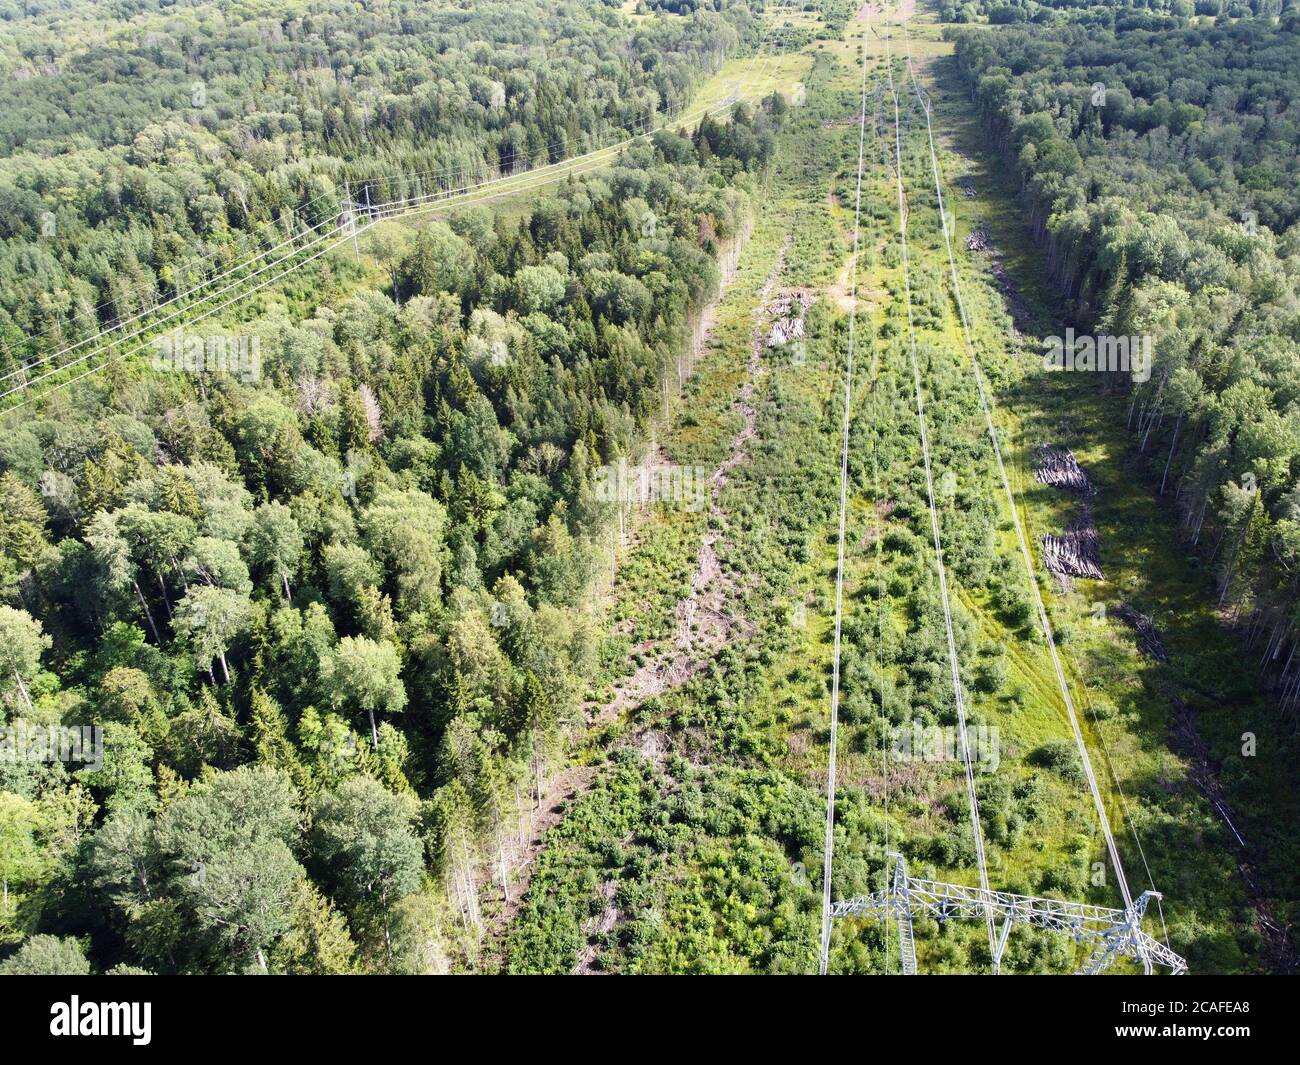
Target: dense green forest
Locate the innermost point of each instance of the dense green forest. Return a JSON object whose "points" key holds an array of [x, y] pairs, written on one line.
{"points": [[1169, 206], [1149, 14], [328, 650], [148, 147], [324, 612]]}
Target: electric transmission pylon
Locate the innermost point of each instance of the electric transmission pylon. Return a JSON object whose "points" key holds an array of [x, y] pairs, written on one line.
{"points": [[1109, 933]]}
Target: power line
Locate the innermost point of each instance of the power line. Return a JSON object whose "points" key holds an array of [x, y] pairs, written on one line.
{"points": [[880, 561], [412, 205], [344, 232], [669, 116], [953, 661], [828, 851], [1109, 934], [1015, 514], [325, 243]]}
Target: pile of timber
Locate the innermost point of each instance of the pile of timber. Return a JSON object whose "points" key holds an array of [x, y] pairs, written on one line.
{"points": [[1076, 552], [784, 330], [978, 240], [1149, 641], [968, 188], [787, 311], [1061, 469]]}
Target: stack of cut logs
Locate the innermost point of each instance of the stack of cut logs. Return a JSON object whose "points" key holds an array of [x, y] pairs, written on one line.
{"points": [[978, 240], [787, 317], [1061, 469], [1076, 552]]}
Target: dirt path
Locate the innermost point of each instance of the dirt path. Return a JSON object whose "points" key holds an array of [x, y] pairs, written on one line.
{"points": [[704, 626], [560, 790], [706, 620]]}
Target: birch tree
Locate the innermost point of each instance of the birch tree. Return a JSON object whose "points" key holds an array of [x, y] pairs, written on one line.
{"points": [[365, 674], [22, 642], [209, 619]]}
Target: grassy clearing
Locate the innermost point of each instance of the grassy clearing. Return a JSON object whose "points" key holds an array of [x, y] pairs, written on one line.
{"points": [[753, 78], [699, 848], [1128, 699]]}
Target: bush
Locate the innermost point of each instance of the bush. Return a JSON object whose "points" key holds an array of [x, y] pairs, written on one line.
{"points": [[1061, 757], [992, 675], [47, 956]]}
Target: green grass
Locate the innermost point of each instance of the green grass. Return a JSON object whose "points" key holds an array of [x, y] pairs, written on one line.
{"points": [[714, 849]]}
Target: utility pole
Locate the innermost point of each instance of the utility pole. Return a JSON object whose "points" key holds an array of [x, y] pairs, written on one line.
{"points": [[1106, 934], [350, 216]]}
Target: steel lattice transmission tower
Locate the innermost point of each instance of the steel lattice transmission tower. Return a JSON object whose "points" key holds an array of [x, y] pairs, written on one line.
{"points": [[1110, 933]]}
